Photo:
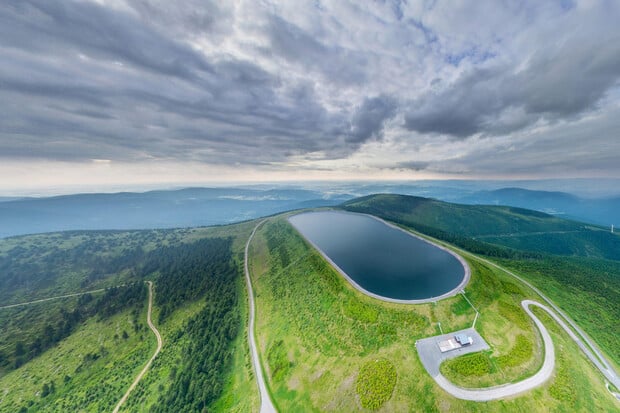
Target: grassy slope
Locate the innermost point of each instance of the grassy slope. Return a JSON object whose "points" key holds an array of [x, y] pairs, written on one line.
{"points": [[586, 289], [565, 279], [507, 226], [22, 385], [62, 263], [94, 385], [315, 332]]}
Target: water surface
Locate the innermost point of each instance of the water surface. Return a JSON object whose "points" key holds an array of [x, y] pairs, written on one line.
{"points": [[379, 258]]}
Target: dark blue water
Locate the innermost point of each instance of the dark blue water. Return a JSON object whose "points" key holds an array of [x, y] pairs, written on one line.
{"points": [[381, 259]]}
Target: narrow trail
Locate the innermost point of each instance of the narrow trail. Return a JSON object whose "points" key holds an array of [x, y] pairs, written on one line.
{"points": [[266, 405], [157, 350], [42, 300]]}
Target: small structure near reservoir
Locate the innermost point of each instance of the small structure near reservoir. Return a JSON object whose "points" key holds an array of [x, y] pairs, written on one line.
{"points": [[463, 339], [458, 341]]}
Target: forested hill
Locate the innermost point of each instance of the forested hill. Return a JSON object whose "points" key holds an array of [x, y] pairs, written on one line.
{"points": [[494, 230], [81, 352]]}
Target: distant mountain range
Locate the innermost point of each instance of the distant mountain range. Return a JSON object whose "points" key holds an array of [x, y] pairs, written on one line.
{"points": [[155, 209], [191, 207], [603, 211]]}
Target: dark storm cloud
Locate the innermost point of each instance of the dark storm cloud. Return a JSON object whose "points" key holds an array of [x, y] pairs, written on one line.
{"points": [[557, 83], [66, 27], [582, 146], [255, 83], [335, 63], [77, 71], [369, 120]]}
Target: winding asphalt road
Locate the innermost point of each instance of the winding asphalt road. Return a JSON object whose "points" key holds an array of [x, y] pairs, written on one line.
{"points": [[544, 374], [502, 391], [582, 340], [266, 405], [507, 390], [157, 350]]}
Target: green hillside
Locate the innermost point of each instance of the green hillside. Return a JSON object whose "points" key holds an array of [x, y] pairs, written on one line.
{"points": [[324, 346], [80, 353], [576, 265], [473, 226], [327, 347]]}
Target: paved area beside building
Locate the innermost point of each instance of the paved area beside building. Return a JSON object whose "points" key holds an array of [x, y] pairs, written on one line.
{"points": [[432, 356]]}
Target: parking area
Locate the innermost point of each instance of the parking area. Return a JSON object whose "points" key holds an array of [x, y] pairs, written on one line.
{"points": [[432, 357]]}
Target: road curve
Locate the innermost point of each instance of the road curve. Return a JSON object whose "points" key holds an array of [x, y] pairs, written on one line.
{"points": [[266, 405], [157, 350], [590, 350], [507, 390], [545, 372]]}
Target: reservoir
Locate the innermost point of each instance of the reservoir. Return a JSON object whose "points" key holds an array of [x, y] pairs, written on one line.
{"points": [[381, 260]]}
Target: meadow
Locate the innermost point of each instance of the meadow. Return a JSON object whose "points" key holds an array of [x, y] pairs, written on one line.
{"points": [[317, 335]]}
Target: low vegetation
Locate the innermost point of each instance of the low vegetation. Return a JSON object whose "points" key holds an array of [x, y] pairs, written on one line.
{"points": [[277, 359], [324, 345], [31, 330], [315, 327], [87, 371], [375, 383], [496, 231], [587, 289], [360, 311], [514, 313], [583, 277], [521, 352], [475, 364]]}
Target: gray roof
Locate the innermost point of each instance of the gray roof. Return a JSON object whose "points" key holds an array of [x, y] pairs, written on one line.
{"points": [[462, 338]]}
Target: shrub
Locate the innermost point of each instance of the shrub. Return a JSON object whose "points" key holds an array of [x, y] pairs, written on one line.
{"points": [[360, 311], [519, 354], [375, 383], [477, 364], [278, 361]]}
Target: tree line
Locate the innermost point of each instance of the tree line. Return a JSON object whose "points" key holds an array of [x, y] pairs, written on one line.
{"points": [[202, 269]]}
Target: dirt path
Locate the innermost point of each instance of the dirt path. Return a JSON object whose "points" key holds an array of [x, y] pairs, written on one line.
{"points": [[157, 350], [42, 300], [266, 405]]}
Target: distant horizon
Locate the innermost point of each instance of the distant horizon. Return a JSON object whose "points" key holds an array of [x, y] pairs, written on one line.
{"points": [[606, 187]]}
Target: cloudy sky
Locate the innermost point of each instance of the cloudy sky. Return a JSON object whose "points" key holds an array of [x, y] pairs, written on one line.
{"points": [[110, 92]]}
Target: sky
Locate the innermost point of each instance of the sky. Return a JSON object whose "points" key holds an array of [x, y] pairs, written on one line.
{"points": [[157, 92]]}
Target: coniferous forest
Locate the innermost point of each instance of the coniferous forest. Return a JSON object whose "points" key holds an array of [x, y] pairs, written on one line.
{"points": [[200, 273]]}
